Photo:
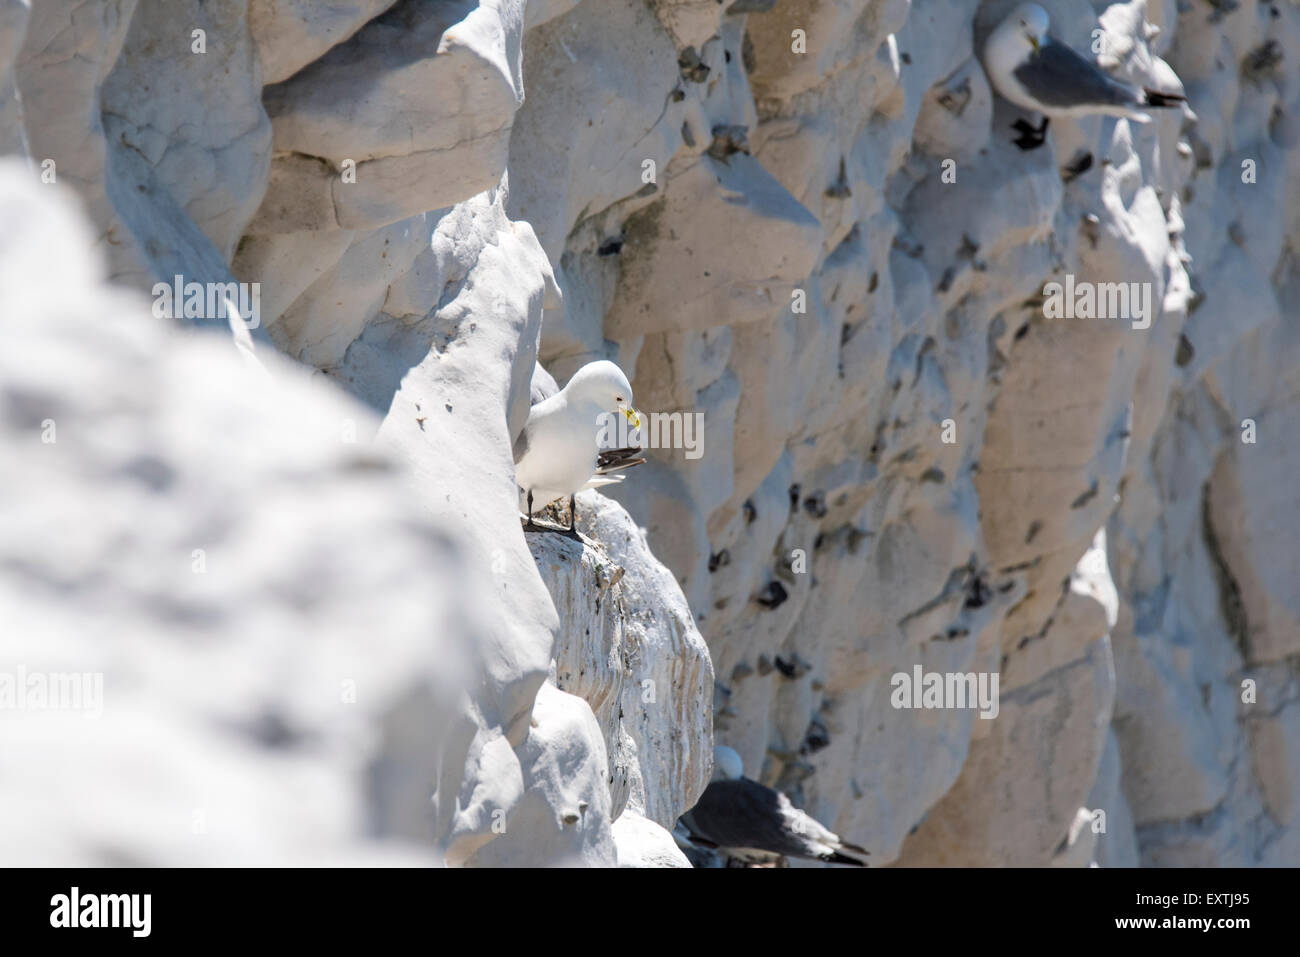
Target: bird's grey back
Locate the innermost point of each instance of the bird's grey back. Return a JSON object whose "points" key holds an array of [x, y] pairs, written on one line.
{"points": [[541, 386], [744, 813], [1057, 76]]}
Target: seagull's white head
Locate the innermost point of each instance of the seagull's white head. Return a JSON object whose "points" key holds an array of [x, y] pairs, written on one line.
{"points": [[727, 765], [1030, 22], [603, 384]]}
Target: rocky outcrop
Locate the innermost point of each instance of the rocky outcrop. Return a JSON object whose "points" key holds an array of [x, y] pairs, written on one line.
{"points": [[802, 227]]}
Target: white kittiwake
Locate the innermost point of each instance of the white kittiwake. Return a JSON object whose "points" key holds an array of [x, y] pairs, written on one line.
{"points": [[1034, 70], [754, 823], [564, 446]]}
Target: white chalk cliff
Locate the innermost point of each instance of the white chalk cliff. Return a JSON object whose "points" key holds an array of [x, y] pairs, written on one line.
{"points": [[295, 555]]}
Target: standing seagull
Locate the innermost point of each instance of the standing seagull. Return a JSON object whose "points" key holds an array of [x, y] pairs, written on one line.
{"points": [[756, 824], [1035, 70], [559, 452]]}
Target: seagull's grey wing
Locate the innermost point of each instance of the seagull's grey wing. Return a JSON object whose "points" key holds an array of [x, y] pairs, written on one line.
{"points": [[1056, 76], [745, 814], [542, 386]]}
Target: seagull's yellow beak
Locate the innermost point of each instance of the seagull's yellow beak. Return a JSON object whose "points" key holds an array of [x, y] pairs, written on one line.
{"points": [[632, 416], [1033, 41]]}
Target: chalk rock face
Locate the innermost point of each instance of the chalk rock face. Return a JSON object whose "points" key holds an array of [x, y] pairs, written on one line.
{"points": [[341, 163], [292, 33], [845, 264], [629, 647], [919, 402], [216, 170], [13, 28], [643, 843]]}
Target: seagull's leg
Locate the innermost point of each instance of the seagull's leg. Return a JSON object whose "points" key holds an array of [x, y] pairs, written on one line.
{"points": [[572, 530], [531, 523], [1077, 167], [1031, 137]]}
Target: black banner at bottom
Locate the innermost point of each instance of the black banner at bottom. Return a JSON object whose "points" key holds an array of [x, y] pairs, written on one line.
{"points": [[335, 907]]}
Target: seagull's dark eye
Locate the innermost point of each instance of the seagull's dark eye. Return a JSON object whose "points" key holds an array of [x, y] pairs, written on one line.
{"points": [[618, 398]]}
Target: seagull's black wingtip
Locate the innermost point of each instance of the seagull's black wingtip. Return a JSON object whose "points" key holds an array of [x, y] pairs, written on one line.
{"points": [[838, 858], [1164, 100]]}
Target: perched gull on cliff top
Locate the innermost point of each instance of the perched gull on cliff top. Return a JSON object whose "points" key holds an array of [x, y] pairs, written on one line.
{"points": [[754, 823], [1034, 70], [560, 451]]}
